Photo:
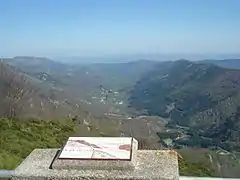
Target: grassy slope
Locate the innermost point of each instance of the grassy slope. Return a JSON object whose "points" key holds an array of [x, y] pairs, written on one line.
{"points": [[19, 138], [211, 162], [187, 168]]}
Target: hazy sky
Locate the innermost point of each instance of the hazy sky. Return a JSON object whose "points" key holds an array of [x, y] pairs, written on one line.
{"points": [[88, 27]]}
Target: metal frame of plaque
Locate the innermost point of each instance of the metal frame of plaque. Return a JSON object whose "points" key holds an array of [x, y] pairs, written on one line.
{"points": [[97, 148]]}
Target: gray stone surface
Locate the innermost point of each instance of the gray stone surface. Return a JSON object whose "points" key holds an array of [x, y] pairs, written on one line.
{"points": [[157, 164], [62, 164]]}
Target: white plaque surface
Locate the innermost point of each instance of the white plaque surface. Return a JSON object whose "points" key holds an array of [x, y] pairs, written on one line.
{"points": [[98, 148]]}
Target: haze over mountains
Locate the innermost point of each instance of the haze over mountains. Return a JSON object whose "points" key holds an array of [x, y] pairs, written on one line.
{"points": [[226, 63], [149, 56]]}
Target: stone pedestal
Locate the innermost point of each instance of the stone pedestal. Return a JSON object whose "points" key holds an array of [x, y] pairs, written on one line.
{"points": [[144, 164]]}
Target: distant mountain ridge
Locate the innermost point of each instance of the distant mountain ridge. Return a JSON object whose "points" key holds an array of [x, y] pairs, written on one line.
{"points": [[178, 78], [26, 63], [225, 63]]}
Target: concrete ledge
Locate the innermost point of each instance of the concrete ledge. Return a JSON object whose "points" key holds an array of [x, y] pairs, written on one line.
{"points": [[161, 165]]}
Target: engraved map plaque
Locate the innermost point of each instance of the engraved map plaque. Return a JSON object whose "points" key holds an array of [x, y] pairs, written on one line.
{"points": [[97, 148]]}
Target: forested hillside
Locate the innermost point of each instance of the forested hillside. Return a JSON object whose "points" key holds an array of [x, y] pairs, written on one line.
{"points": [[22, 96], [201, 96]]}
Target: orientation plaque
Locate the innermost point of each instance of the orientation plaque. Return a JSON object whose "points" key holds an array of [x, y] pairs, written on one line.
{"points": [[97, 148]]}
